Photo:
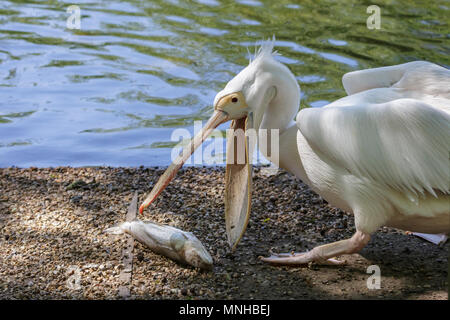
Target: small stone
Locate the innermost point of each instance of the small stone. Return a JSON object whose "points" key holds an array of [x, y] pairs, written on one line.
{"points": [[76, 185]]}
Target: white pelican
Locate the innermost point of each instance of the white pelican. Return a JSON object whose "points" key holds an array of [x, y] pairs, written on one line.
{"points": [[380, 153]]}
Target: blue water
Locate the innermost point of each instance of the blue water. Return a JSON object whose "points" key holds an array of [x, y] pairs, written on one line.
{"points": [[112, 92]]}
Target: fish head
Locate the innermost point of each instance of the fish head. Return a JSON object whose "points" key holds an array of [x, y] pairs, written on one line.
{"points": [[192, 250]]}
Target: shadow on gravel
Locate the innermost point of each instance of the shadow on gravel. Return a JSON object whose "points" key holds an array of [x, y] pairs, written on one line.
{"points": [[52, 219]]}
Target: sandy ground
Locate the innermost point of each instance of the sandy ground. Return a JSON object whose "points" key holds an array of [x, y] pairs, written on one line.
{"points": [[53, 245]]}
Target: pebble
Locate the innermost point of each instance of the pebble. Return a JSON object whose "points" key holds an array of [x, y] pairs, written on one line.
{"points": [[57, 230]]}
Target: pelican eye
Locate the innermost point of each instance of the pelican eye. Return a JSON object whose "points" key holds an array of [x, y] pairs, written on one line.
{"points": [[234, 99]]}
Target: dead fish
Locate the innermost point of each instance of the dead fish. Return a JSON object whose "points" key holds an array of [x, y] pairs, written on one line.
{"points": [[171, 242]]}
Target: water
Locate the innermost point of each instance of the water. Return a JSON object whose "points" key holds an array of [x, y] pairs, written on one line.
{"points": [[113, 92]]}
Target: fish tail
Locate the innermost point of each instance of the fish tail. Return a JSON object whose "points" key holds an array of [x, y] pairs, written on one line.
{"points": [[119, 229]]}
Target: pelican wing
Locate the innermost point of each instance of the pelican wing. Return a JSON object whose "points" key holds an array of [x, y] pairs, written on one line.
{"points": [[403, 144], [385, 77]]}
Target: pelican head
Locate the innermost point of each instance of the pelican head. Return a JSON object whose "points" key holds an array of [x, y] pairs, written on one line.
{"points": [[246, 100]]}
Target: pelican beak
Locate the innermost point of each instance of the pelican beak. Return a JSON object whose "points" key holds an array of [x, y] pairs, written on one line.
{"points": [[216, 119], [238, 176], [238, 179]]}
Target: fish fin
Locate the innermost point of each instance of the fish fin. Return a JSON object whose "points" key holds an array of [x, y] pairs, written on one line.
{"points": [[115, 230]]}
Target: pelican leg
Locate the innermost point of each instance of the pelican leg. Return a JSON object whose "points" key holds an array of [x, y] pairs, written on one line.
{"points": [[323, 254]]}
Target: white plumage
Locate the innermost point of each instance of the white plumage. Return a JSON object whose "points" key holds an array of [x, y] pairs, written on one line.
{"points": [[381, 153], [391, 154]]}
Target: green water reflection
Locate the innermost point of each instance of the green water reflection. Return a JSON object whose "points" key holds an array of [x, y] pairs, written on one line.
{"points": [[138, 69]]}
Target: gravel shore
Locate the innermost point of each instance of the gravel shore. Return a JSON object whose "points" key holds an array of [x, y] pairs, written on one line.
{"points": [[53, 245]]}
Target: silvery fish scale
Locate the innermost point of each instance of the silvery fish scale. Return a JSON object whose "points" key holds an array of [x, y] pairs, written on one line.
{"points": [[171, 242]]}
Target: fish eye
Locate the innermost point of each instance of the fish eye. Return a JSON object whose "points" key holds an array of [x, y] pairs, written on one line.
{"points": [[234, 99]]}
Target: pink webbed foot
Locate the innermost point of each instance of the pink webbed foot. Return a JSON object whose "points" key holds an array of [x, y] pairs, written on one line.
{"points": [[437, 239], [324, 254], [298, 258]]}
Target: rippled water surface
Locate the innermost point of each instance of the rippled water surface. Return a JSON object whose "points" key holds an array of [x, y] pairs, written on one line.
{"points": [[112, 92]]}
